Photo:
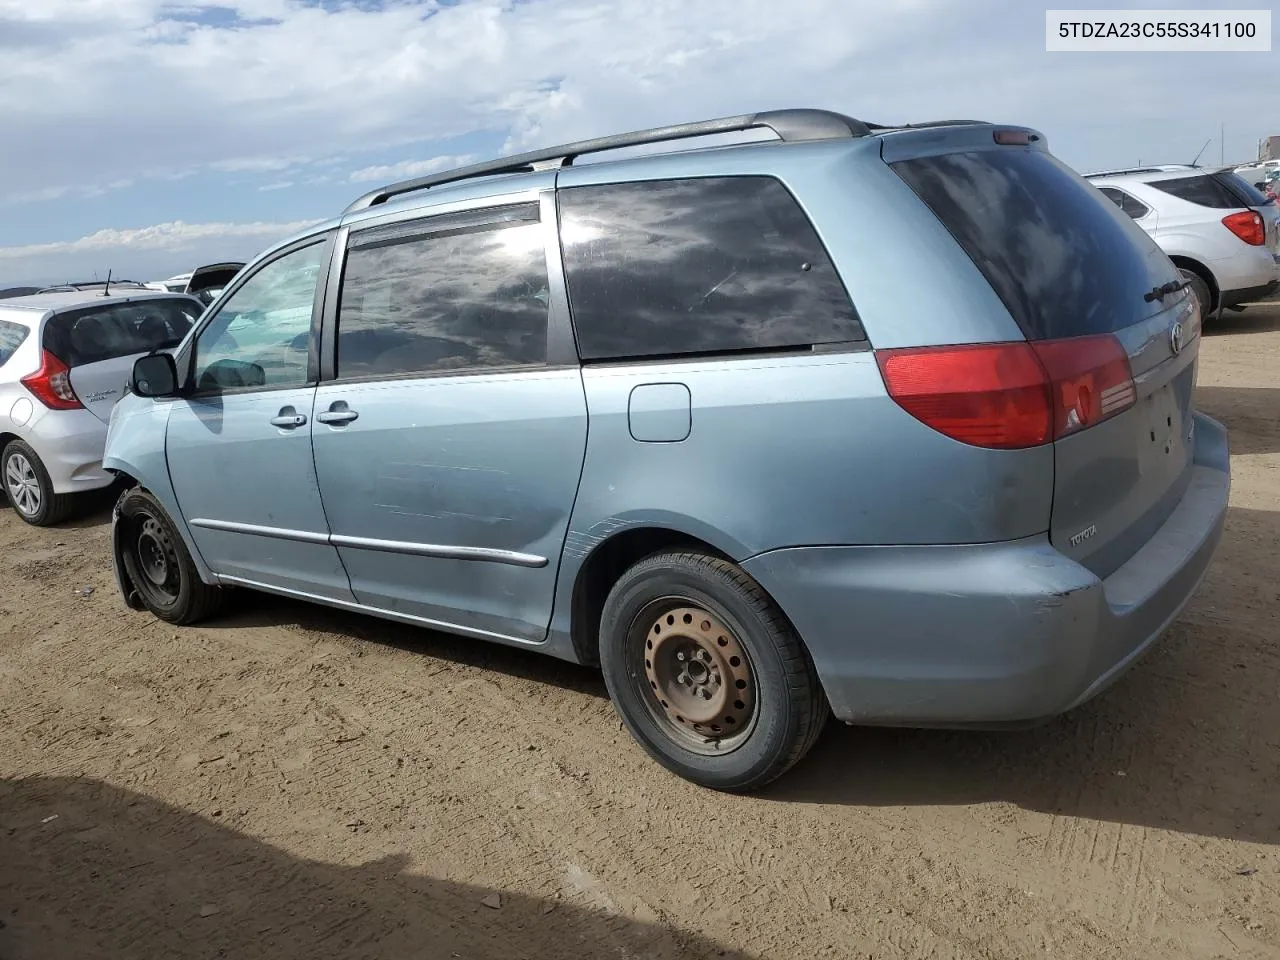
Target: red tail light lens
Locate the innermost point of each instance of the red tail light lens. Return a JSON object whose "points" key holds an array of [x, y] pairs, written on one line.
{"points": [[1248, 226], [1007, 396], [51, 384], [1091, 380], [989, 395]]}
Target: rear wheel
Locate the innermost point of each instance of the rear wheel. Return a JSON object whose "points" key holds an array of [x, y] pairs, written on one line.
{"points": [[158, 563], [1200, 290], [706, 672], [29, 489]]}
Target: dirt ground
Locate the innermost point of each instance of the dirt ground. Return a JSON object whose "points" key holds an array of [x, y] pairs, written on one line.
{"points": [[290, 782]]}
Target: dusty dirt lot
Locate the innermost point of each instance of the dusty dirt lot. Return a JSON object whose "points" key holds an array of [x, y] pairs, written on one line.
{"points": [[291, 782]]}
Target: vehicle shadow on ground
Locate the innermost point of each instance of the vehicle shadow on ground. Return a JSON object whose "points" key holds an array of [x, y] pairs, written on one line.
{"points": [[1263, 317], [1188, 740], [248, 608], [1250, 414], [88, 869]]}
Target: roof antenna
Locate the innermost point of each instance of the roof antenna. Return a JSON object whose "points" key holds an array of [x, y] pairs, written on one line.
{"points": [[106, 288], [1206, 143]]}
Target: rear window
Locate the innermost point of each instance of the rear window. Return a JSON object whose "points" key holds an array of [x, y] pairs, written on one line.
{"points": [[93, 334], [1063, 258], [698, 266], [1202, 190], [11, 337]]}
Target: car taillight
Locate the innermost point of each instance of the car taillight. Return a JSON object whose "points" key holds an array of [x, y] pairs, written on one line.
{"points": [[51, 384], [1248, 226], [1007, 396]]}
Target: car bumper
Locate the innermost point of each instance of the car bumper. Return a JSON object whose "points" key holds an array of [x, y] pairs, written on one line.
{"points": [[70, 444], [1231, 298], [992, 634]]}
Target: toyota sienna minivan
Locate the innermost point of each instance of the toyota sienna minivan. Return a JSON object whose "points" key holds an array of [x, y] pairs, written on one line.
{"points": [[894, 424]]}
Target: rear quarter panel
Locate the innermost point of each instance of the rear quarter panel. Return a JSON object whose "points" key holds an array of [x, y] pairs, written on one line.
{"points": [[808, 449]]}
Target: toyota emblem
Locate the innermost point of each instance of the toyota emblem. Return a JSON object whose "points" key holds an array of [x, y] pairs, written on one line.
{"points": [[1175, 338]]}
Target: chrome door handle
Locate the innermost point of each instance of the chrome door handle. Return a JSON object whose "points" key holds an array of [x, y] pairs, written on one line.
{"points": [[337, 414], [289, 420]]}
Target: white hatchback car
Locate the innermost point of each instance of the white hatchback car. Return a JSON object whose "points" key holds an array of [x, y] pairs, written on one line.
{"points": [[65, 359], [1217, 228]]}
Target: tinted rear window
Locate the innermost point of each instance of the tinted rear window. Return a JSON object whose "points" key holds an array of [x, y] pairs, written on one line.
{"points": [[699, 266], [1064, 259], [91, 334], [11, 337], [1202, 190]]}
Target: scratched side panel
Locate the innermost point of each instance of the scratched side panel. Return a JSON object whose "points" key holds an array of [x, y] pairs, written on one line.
{"points": [[789, 451], [487, 461]]}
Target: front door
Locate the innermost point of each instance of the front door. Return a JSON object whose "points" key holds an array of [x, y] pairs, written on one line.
{"points": [[239, 445], [449, 444]]}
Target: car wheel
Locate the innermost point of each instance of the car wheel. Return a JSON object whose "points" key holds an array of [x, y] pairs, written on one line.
{"points": [[1200, 290], [158, 563], [707, 673], [29, 489]]}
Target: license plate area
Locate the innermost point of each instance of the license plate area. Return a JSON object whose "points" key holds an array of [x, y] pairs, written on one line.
{"points": [[1164, 443]]}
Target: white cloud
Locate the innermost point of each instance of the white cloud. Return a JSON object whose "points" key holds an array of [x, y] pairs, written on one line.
{"points": [[158, 236], [319, 81], [405, 169], [142, 252], [96, 93]]}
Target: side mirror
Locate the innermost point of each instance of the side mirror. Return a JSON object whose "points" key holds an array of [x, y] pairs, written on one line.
{"points": [[155, 375]]}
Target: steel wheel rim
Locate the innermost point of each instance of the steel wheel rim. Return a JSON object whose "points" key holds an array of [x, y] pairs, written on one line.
{"points": [[695, 676], [156, 560], [22, 484]]}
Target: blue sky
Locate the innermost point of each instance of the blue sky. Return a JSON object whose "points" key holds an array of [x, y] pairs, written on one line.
{"points": [[147, 136]]}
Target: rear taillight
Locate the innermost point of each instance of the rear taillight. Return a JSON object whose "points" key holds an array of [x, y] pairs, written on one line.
{"points": [[51, 384], [1248, 226], [1007, 396], [1091, 380]]}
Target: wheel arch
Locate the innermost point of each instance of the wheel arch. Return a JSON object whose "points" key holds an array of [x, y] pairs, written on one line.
{"points": [[1201, 271], [609, 559], [156, 482]]}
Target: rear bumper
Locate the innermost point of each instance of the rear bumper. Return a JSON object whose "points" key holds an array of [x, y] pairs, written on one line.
{"points": [[992, 634], [1231, 298], [70, 444]]}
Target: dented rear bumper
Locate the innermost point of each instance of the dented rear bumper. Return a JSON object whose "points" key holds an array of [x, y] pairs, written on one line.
{"points": [[992, 634]]}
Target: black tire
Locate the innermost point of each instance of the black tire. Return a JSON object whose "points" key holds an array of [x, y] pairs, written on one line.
{"points": [[156, 560], [749, 741], [1200, 290], [28, 488]]}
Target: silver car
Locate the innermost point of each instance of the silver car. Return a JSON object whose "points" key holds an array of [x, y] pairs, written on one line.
{"points": [[1221, 232], [890, 423], [65, 359]]}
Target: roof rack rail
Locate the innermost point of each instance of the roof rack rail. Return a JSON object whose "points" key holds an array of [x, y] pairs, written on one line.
{"points": [[1156, 168], [789, 125], [81, 286]]}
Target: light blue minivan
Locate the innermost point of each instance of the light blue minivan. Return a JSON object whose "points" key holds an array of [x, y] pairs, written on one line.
{"points": [[890, 423]]}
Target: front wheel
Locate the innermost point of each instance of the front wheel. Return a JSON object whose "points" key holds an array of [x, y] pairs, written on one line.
{"points": [[707, 673], [158, 564]]}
